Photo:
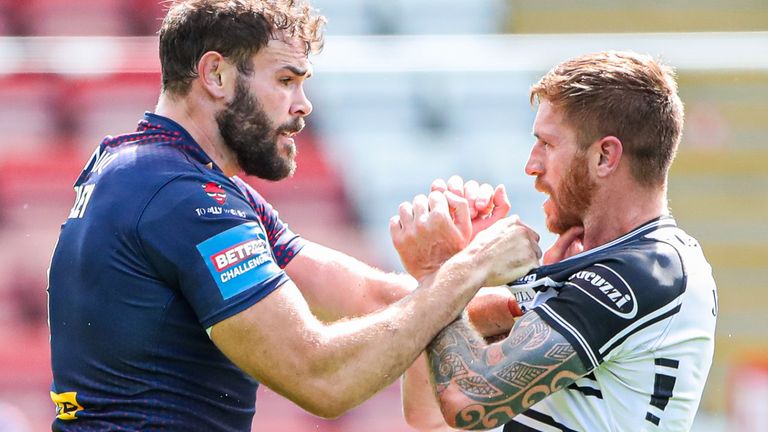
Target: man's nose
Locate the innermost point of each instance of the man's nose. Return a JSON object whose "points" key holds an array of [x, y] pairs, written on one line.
{"points": [[301, 105]]}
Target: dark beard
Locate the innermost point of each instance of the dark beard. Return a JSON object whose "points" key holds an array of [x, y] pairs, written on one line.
{"points": [[573, 198], [249, 134]]}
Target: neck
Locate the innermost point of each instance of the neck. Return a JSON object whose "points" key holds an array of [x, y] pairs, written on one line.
{"points": [[613, 214], [198, 118]]}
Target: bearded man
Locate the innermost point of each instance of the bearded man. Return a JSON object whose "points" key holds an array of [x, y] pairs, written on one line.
{"points": [[620, 333], [175, 288]]}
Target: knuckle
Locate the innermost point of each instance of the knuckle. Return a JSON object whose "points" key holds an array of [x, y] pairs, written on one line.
{"points": [[436, 195]]}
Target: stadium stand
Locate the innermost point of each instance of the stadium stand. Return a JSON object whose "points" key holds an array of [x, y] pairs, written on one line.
{"points": [[28, 115], [591, 16], [111, 104], [718, 189], [74, 17]]}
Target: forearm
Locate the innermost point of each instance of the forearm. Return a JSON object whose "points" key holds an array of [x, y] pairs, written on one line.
{"points": [[337, 285], [420, 407], [358, 357], [482, 386], [492, 316]]}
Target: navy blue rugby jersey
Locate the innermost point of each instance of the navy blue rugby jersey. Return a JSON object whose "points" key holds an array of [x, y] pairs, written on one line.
{"points": [[159, 246], [640, 312]]}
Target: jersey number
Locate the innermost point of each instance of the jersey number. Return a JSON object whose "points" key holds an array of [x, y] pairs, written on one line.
{"points": [[84, 193]]}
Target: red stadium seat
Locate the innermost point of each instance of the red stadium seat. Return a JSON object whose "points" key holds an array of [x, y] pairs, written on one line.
{"points": [[27, 117], [75, 17], [109, 105]]}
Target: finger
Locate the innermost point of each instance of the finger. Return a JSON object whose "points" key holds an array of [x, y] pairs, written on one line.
{"points": [[566, 240], [567, 244], [460, 210], [501, 204], [438, 203], [405, 212], [514, 307], [420, 207], [535, 237], [537, 249], [471, 189], [456, 185], [439, 185], [530, 231], [571, 235], [576, 248], [484, 199], [470, 194], [394, 227]]}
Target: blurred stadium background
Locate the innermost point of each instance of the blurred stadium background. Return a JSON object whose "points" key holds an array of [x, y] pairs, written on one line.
{"points": [[406, 91]]}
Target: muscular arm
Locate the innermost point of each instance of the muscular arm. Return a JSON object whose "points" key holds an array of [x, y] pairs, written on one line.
{"points": [[492, 316], [482, 386], [329, 368], [336, 285]]}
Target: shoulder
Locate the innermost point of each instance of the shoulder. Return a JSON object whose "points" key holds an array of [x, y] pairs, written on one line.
{"points": [[254, 197], [633, 280]]}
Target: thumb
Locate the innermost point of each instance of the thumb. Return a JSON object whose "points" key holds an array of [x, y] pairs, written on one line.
{"points": [[501, 204], [560, 249]]}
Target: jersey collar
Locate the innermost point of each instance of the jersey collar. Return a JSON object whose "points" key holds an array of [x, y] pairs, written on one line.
{"points": [[539, 278], [652, 225], [179, 137]]}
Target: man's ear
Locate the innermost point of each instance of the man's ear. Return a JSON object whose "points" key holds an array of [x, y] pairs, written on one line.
{"points": [[609, 151], [215, 75]]}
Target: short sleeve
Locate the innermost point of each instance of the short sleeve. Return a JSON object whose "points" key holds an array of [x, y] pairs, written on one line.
{"points": [[203, 238], [285, 242], [603, 304]]}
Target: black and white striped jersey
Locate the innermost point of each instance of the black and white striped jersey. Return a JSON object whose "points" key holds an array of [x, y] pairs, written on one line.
{"points": [[640, 311]]}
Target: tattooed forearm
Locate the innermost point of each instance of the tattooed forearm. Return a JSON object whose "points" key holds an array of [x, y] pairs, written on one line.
{"points": [[481, 386]]}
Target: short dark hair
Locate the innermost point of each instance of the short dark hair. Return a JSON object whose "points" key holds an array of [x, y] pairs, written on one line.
{"points": [[237, 29], [622, 94]]}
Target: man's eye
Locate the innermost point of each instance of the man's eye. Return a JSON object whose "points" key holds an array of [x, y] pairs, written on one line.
{"points": [[286, 80]]}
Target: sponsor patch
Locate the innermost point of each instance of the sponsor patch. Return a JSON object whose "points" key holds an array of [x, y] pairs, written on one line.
{"points": [[239, 258], [524, 296], [216, 192], [66, 405], [608, 288]]}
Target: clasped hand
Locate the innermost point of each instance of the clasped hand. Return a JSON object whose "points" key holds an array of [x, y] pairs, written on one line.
{"points": [[431, 229]]}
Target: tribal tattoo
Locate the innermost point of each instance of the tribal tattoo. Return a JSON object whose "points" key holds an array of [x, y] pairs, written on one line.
{"points": [[486, 385]]}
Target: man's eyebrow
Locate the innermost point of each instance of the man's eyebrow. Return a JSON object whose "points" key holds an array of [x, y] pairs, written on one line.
{"points": [[298, 71]]}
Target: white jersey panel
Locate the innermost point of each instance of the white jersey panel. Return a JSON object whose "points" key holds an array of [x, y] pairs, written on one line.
{"points": [[649, 371]]}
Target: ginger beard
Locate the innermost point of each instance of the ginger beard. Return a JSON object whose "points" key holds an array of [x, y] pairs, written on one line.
{"points": [[261, 149], [569, 202]]}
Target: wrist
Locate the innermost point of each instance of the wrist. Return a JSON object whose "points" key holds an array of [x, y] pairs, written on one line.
{"points": [[472, 265]]}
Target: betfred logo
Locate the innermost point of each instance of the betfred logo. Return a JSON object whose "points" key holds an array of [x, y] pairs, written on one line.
{"points": [[215, 191], [236, 254], [240, 259]]}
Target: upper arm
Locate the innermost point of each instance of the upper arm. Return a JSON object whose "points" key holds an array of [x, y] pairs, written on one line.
{"points": [[482, 387], [272, 340], [214, 255], [336, 285]]}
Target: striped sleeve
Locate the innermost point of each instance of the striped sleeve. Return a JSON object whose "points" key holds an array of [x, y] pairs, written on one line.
{"points": [[285, 243], [600, 306]]}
